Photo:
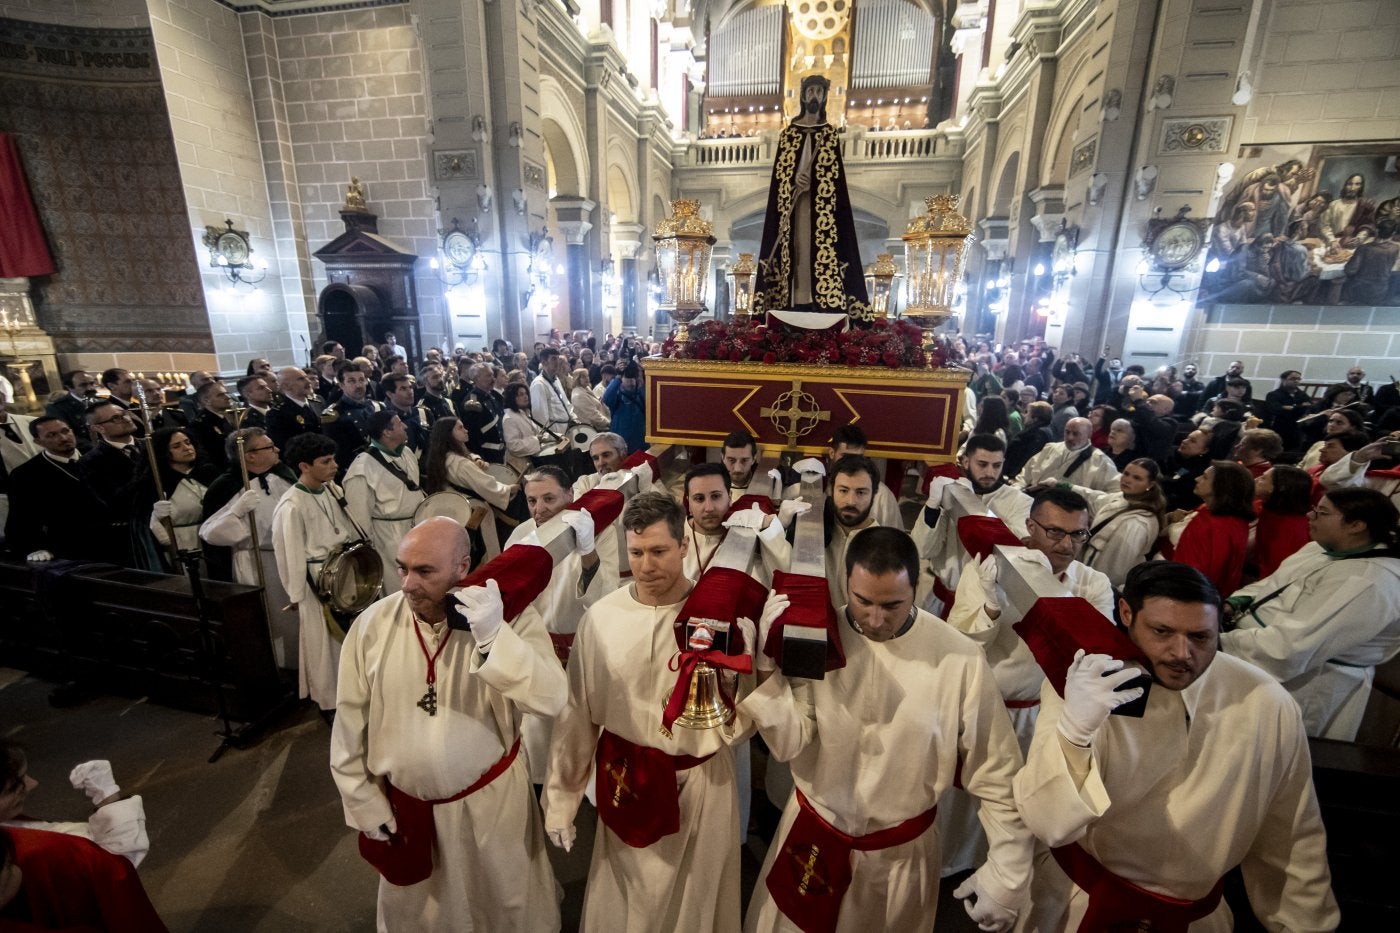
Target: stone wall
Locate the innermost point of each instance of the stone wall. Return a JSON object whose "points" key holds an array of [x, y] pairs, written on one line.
{"points": [[1321, 342], [1328, 72]]}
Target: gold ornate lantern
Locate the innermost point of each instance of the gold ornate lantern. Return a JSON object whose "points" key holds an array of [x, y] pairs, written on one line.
{"points": [[743, 273], [935, 251], [879, 282], [683, 243]]}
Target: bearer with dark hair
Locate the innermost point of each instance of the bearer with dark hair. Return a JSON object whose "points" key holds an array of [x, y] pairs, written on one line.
{"points": [[865, 822], [383, 488], [1145, 816], [309, 523], [1331, 612]]}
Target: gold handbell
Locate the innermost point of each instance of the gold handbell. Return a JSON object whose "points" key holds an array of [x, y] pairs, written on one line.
{"points": [[705, 704]]}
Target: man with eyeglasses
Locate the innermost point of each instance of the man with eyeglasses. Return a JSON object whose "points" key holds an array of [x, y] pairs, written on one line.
{"points": [[229, 549], [114, 469], [1329, 614], [53, 511], [1056, 529]]}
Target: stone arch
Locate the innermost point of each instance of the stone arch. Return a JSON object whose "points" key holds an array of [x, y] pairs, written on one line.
{"points": [[564, 139], [1006, 194], [1055, 167]]}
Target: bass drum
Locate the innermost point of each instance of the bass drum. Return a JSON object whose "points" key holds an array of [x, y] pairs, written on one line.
{"points": [[503, 473], [452, 505], [351, 578], [582, 435]]}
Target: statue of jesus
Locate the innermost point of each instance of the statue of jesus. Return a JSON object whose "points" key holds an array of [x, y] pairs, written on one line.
{"points": [[810, 274]]}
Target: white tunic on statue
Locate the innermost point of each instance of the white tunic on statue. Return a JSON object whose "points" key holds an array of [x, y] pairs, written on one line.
{"points": [[1055, 460], [383, 505], [878, 742], [1018, 679], [1213, 776], [227, 528], [619, 680], [1323, 636], [1122, 543], [490, 868], [306, 527], [562, 605]]}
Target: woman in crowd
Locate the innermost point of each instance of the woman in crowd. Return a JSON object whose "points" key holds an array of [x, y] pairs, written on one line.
{"points": [[1284, 495], [1122, 438], [184, 478], [1126, 523], [1214, 536], [521, 430], [1101, 418], [992, 417], [449, 467], [1034, 436], [1015, 422], [588, 408], [1337, 422], [1257, 450]]}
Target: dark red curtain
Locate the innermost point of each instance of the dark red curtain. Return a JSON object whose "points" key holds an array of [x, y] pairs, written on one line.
{"points": [[23, 251]]}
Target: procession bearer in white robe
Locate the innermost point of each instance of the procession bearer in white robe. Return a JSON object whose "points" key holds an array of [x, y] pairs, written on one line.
{"points": [[307, 525], [383, 490], [1215, 774], [229, 527], [680, 879], [1073, 460], [1329, 614], [433, 711], [873, 747], [584, 576], [707, 497], [1056, 528]]}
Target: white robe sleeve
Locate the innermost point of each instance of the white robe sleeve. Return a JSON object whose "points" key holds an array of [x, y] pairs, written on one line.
{"points": [[289, 545], [226, 527], [522, 666], [784, 715], [1057, 801], [575, 737], [520, 437], [466, 474], [359, 496], [365, 802]]}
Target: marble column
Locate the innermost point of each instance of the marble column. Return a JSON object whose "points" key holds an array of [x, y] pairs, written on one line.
{"points": [[627, 240], [571, 215]]}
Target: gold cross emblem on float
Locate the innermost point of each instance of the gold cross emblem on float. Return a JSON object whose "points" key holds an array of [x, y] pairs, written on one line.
{"points": [[799, 409]]}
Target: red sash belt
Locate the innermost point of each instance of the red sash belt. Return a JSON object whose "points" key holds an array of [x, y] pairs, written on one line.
{"points": [[637, 795], [945, 596], [407, 856], [563, 644], [812, 871], [1117, 904]]}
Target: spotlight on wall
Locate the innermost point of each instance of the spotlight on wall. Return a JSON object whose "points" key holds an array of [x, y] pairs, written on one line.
{"points": [[484, 197], [1145, 180], [516, 135], [1097, 184], [479, 129], [521, 203]]}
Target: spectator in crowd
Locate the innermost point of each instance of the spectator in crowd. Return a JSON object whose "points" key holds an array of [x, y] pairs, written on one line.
{"points": [[1341, 421], [627, 402], [1101, 418], [588, 408], [1284, 495], [1032, 439], [1284, 406], [1214, 536], [1216, 387], [184, 478], [72, 406], [1127, 523], [992, 418], [1122, 443]]}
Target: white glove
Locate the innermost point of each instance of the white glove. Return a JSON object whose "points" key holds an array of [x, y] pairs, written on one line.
{"points": [[383, 832], [789, 509], [747, 630], [94, 778], [481, 606], [988, 913], [40, 556], [248, 502], [935, 491], [809, 466], [773, 607], [582, 524], [752, 517], [162, 510], [563, 838], [987, 576], [1091, 693]]}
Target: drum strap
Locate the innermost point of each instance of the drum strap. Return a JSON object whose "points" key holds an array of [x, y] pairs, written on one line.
{"points": [[345, 507], [393, 468]]}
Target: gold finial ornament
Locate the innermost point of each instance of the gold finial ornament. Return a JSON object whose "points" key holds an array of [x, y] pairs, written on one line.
{"points": [[743, 273]]}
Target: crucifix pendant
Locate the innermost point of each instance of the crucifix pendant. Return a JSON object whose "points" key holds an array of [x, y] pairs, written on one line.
{"points": [[429, 702]]}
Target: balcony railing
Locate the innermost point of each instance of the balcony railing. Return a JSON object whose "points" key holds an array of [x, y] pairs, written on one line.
{"points": [[858, 145]]}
